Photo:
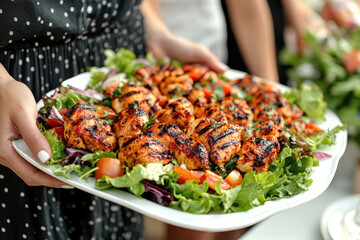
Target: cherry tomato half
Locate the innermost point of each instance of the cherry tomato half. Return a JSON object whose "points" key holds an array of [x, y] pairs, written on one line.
{"points": [[211, 178], [185, 174], [111, 167], [234, 178]]}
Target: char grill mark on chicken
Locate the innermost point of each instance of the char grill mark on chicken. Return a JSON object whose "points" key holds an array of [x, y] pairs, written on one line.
{"points": [[85, 129], [129, 122], [237, 111], [221, 140], [134, 96], [178, 111], [143, 149], [186, 150], [258, 153], [265, 97]]}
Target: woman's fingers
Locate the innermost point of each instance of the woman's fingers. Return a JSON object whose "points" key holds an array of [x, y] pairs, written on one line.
{"points": [[29, 174]]}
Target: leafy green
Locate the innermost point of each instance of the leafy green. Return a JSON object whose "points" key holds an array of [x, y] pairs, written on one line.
{"points": [[310, 99], [80, 168], [132, 179], [56, 145], [341, 89]]}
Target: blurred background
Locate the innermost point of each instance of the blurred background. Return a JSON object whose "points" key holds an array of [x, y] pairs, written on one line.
{"points": [[317, 42]]}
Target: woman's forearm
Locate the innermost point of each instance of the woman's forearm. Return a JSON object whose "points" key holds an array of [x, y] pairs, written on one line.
{"points": [[253, 30]]}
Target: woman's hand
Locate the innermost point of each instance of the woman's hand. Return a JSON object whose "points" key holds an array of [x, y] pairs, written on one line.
{"points": [[161, 43], [18, 115]]}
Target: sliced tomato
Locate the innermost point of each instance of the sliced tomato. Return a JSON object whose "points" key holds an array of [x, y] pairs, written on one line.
{"points": [[105, 111], [296, 113], [234, 178], [54, 123], [59, 132], [110, 88], [311, 129], [207, 92], [185, 174], [212, 178], [111, 167]]}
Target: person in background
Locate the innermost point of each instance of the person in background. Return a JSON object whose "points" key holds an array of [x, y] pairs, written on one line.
{"points": [[291, 16], [203, 21], [42, 43]]}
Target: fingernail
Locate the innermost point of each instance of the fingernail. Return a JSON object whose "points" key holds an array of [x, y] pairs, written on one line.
{"points": [[67, 187], [43, 156], [224, 66]]}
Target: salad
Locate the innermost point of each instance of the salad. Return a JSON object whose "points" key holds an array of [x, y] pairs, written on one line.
{"points": [[184, 136]]}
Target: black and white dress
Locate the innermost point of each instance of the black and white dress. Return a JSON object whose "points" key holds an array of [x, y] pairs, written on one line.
{"points": [[42, 43]]}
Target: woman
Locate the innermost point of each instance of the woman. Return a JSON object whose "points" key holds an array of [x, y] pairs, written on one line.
{"points": [[43, 43]]}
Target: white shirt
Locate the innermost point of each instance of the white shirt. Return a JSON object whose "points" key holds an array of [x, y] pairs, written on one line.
{"points": [[200, 21]]}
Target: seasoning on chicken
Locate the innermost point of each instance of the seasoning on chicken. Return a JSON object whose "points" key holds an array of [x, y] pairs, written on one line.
{"points": [[221, 140], [265, 97], [134, 96], [159, 73], [197, 97], [85, 129], [178, 111], [246, 84], [176, 86], [237, 111], [258, 153], [186, 150], [269, 114], [143, 149], [211, 111], [143, 74], [129, 122]]}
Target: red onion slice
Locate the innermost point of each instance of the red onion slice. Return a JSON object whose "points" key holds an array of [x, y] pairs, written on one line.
{"points": [[322, 155], [56, 114]]}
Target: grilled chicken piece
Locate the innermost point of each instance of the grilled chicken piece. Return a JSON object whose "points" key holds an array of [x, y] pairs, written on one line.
{"points": [[195, 71], [159, 73], [222, 141], [258, 153], [143, 74], [134, 96], [129, 122], [237, 111], [143, 149], [269, 114], [186, 150], [267, 128], [85, 129], [246, 84], [265, 97], [178, 111], [211, 111], [176, 86], [197, 97]]}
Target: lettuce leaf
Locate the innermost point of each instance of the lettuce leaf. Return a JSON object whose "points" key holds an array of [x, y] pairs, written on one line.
{"points": [[310, 99], [132, 179], [56, 145]]}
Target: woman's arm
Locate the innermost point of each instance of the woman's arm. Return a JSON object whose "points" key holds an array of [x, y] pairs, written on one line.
{"points": [[253, 30], [162, 43], [18, 115]]}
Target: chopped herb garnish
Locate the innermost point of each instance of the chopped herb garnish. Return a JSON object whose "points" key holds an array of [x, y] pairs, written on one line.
{"points": [[150, 122]]}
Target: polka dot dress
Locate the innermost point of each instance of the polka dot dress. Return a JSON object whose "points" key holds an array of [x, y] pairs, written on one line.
{"points": [[43, 43]]}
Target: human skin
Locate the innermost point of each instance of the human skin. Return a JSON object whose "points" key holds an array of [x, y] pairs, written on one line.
{"points": [[18, 114]]}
